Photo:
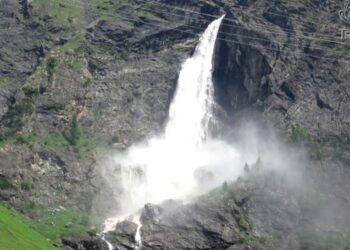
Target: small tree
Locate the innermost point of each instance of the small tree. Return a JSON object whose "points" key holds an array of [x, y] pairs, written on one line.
{"points": [[51, 66], [75, 132]]}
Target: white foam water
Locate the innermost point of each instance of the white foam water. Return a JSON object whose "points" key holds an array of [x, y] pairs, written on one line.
{"points": [[184, 161]]}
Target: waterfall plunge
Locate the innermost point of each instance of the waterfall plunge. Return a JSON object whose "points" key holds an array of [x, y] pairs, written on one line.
{"points": [[185, 161], [191, 109]]}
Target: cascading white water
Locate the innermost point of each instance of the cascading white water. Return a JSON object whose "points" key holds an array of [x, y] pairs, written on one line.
{"points": [[191, 109], [184, 161]]}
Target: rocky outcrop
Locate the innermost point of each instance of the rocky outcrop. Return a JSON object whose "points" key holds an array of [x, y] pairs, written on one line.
{"points": [[279, 69], [265, 209], [123, 236], [83, 242]]}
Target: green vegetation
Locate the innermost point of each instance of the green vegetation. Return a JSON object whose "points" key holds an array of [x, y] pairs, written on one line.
{"points": [[27, 184], [245, 238], [16, 233], [87, 82], [73, 44], [76, 133], [57, 222], [4, 81], [74, 63], [55, 140], [302, 136], [227, 190], [52, 223], [320, 149], [31, 91], [341, 146], [5, 137], [4, 183], [68, 13], [13, 119], [117, 56], [106, 9], [77, 138], [51, 66], [224, 192]]}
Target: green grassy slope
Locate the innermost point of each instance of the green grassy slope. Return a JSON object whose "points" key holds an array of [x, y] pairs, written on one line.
{"points": [[16, 234]]}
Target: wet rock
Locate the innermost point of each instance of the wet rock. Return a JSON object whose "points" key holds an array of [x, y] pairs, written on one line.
{"points": [[123, 237], [150, 213]]}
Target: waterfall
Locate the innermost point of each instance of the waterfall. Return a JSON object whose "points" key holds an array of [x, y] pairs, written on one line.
{"points": [[191, 109], [184, 161], [164, 167]]}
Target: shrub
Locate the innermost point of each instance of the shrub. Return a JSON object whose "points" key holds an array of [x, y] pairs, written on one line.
{"points": [[5, 183], [76, 132], [300, 134], [27, 184], [51, 66]]}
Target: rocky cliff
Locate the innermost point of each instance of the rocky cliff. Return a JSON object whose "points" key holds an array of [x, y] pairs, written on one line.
{"points": [[81, 77]]}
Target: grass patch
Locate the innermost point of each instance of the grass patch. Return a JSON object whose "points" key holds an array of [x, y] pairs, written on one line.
{"points": [[68, 13], [56, 140], [73, 44], [16, 233], [227, 190], [221, 193], [108, 10], [301, 136], [246, 238], [54, 223], [320, 149], [59, 141], [4, 81], [74, 63]]}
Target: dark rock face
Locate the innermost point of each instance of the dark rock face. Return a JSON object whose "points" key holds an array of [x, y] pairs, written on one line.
{"points": [[267, 70], [123, 236], [203, 225], [262, 210], [84, 242]]}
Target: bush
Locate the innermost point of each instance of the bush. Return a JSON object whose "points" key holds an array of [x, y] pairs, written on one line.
{"points": [[300, 134], [5, 183], [51, 66], [76, 132], [27, 184], [77, 138]]}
